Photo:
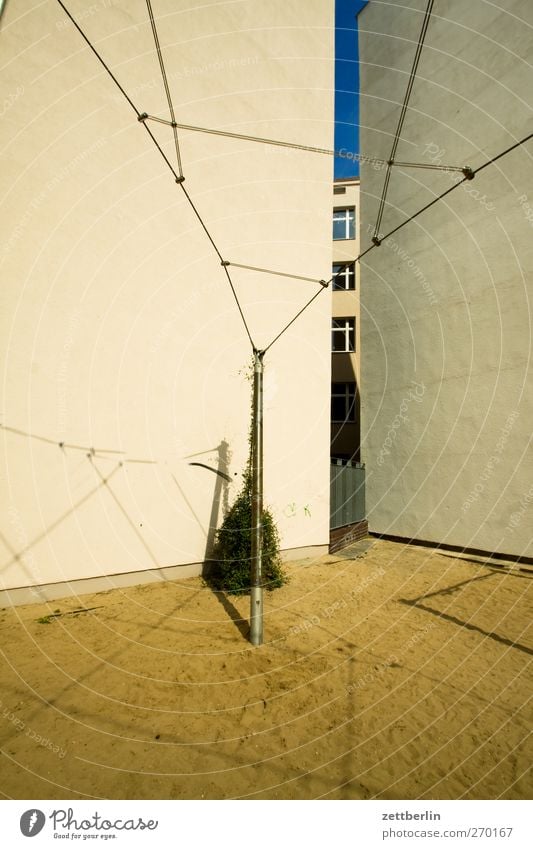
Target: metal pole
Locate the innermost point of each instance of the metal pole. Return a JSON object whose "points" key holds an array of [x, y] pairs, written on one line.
{"points": [[256, 572]]}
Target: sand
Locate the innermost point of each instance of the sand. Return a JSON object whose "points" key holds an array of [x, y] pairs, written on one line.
{"points": [[395, 672]]}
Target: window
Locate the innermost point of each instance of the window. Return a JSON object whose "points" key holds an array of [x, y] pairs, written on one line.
{"points": [[344, 223], [343, 275], [343, 402], [343, 334]]}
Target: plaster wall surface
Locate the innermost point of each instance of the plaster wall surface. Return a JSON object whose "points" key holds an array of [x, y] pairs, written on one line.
{"points": [[446, 301], [119, 330]]}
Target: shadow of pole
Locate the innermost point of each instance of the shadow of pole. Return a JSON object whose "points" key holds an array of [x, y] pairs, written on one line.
{"points": [[241, 623], [219, 507], [220, 497]]}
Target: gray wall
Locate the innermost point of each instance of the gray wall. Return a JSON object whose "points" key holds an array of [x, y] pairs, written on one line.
{"points": [[446, 302]]}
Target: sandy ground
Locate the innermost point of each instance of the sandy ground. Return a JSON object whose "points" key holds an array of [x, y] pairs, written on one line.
{"points": [[396, 672]]}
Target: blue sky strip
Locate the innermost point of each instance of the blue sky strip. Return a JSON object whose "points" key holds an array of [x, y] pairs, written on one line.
{"points": [[347, 85]]}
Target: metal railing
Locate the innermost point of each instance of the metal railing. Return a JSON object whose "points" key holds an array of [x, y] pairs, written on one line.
{"points": [[347, 493]]}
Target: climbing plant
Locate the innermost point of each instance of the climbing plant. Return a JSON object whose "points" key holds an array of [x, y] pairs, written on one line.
{"points": [[233, 543]]}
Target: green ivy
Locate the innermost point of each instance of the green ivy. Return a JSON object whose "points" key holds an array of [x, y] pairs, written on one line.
{"points": [[233, 544]]}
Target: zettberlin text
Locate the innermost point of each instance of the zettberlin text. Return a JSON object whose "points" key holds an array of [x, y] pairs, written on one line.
{"points": [[407, 815]]}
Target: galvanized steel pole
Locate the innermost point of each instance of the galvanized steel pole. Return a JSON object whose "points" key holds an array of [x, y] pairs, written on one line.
{"points": [[256, 572]]}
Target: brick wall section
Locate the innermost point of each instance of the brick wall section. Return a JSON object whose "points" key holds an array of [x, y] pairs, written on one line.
{"points": [[341, 537]]}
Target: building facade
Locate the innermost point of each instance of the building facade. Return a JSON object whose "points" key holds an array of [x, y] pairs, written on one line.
{"points": [[446, 300], [125, 392], [345, 327]]}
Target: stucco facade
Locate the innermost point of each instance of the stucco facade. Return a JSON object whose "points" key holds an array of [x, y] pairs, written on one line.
{"points": [[446, 301], [123, 352]]}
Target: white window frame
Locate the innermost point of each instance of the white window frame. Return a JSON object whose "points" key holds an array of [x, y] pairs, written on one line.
{"points": [[346, 275], [344, 214], [345, 327]]}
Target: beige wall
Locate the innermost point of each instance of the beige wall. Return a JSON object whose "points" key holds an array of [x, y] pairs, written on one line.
{"points": [[119, 331], [446, 302]]}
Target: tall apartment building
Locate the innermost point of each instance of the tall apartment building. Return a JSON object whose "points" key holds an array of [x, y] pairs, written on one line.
{"points": [[345, 324]]}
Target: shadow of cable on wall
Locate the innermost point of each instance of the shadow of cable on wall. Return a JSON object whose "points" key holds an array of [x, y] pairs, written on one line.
{"points": [[23, 555]]}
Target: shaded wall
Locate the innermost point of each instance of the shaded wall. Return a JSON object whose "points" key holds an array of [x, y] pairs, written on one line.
{"points": [[446, 302]]}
